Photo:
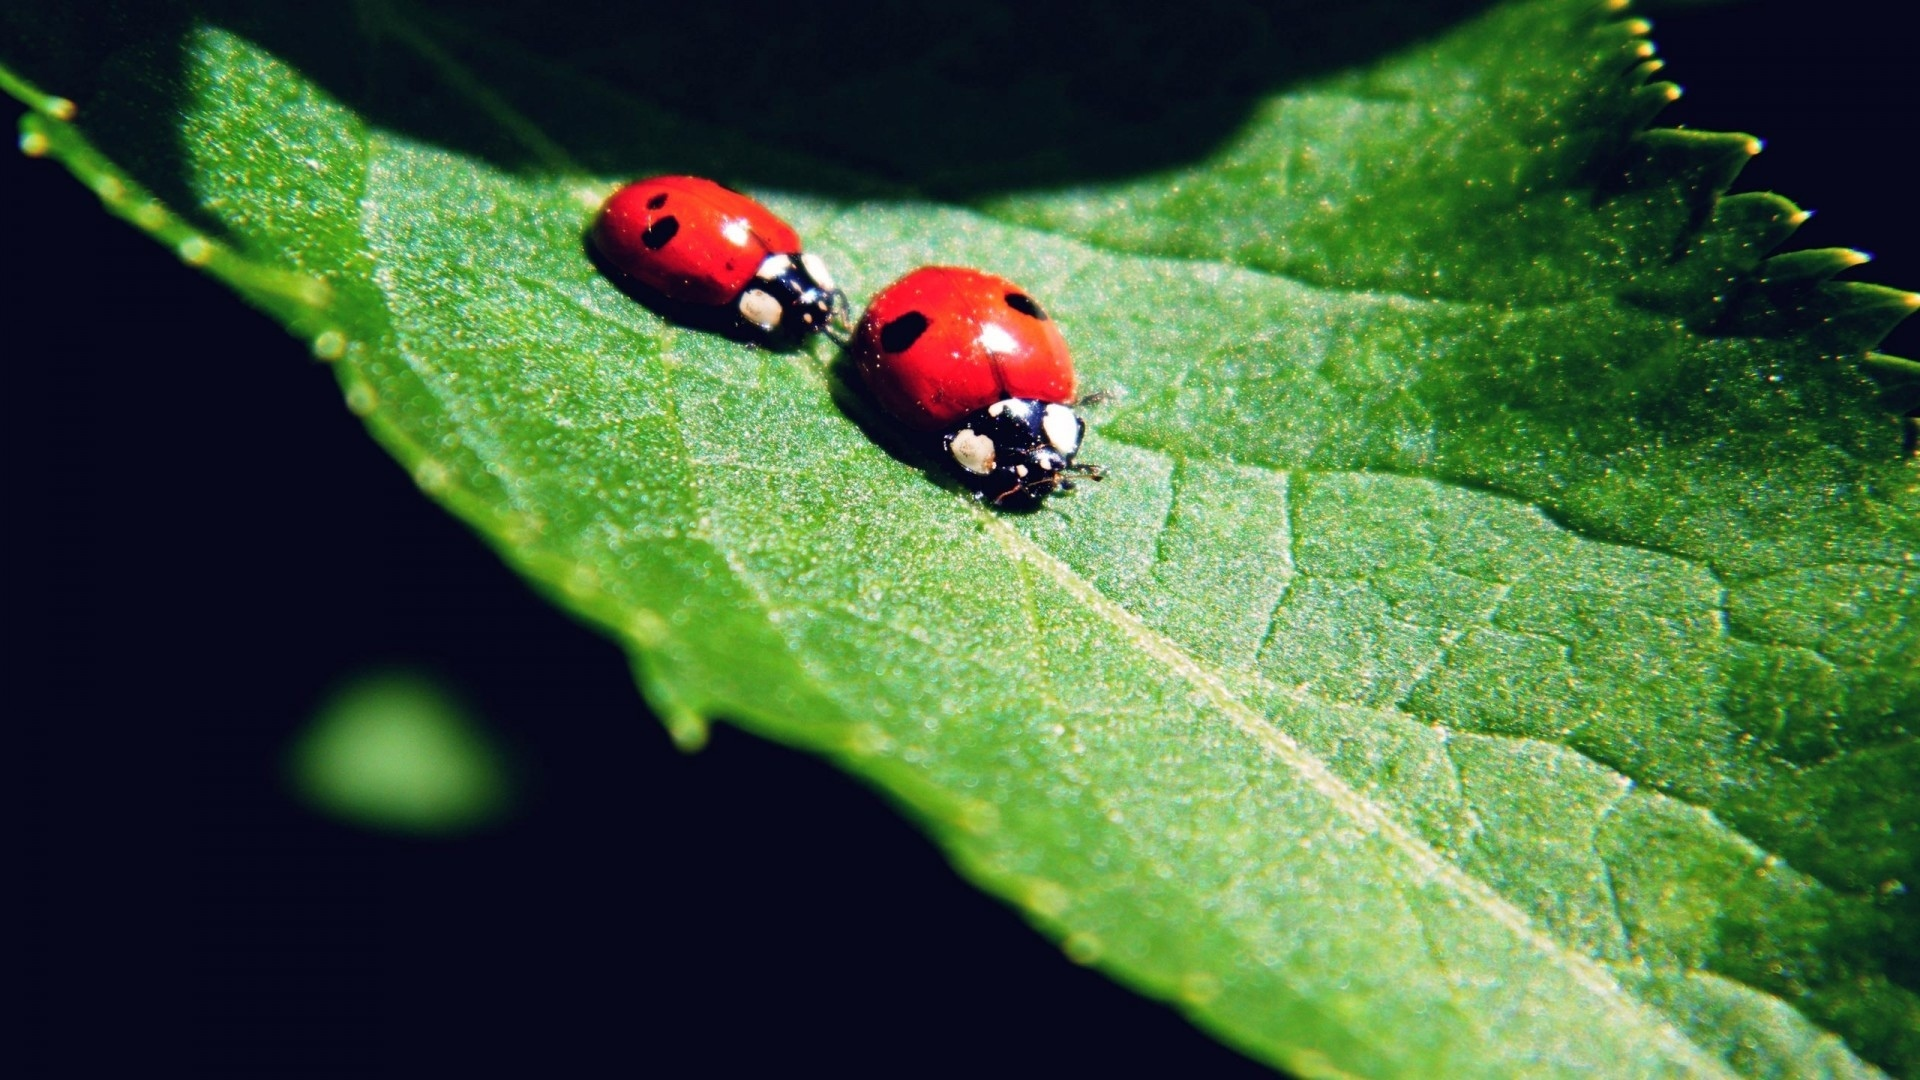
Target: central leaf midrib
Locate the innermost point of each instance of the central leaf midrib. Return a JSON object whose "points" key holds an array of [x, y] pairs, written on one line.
{"points": [[1356, 807]]}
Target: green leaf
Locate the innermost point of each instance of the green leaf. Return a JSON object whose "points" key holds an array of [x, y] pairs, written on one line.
{"points": [[1494, 650]]}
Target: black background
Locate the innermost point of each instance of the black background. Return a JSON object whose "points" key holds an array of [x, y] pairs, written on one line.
{"points": [[206, 542]]}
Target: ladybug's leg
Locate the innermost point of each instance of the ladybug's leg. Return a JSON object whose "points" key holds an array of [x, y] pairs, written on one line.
{"points": [[839, 325], [1021, 490]]}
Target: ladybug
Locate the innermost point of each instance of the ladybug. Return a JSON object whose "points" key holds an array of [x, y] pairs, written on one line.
{"points": [[972, 358], [717, 252]]}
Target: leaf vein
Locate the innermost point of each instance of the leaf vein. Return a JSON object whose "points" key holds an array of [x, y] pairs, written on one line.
{"points": [[1364, 812]]}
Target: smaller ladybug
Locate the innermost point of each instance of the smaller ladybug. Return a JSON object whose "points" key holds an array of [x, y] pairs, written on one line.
{"points": [[719, 253], [972, 358]]}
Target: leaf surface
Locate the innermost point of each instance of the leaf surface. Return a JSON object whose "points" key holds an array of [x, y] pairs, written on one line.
{"points": [[1492, 654]]}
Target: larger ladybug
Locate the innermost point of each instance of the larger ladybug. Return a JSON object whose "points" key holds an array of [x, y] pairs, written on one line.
{"points": [[697, 243], [972, 358]]}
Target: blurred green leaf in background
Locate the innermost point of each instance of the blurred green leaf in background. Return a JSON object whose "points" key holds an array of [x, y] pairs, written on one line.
{"points": [[396, 751]]}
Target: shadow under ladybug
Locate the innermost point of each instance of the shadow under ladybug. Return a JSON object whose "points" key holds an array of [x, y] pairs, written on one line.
{"points": [[932, 452]]}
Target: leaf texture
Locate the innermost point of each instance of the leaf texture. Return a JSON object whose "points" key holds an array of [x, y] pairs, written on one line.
{"points": [[1493, 653]]}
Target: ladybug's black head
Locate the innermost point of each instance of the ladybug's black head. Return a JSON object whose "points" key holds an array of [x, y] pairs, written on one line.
{"points": [[1016, 451], [790, 297]]}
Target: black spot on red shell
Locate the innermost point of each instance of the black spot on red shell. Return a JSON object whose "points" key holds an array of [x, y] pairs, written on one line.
{"points": [[900, 334], [657, 201], [660, 232], [1024, 304]]}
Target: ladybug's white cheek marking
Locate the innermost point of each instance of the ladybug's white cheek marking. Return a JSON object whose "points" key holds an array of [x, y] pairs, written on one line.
{"points": [[1060, 427], [773, 267], [995, 339], [760, 309], [1011, 405], [816, 268], [973, 451], [736, 232]]}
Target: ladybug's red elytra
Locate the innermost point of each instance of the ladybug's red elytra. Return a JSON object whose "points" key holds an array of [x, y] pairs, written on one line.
{"points": [[972, 357], [698, 243]]}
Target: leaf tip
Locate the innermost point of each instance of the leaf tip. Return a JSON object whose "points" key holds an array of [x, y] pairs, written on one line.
{"points": [[1083, 948], [432, 477], [1811, 265], [688, 730], [329, 345], [361, 399], [109, 188], [35, 144], [1861, 314], [194, 251], [49, 105], [1047, 898], [1851, 257]]}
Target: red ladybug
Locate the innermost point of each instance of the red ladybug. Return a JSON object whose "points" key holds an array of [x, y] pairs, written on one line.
{"points": [[972, 357], [699, 244]]}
